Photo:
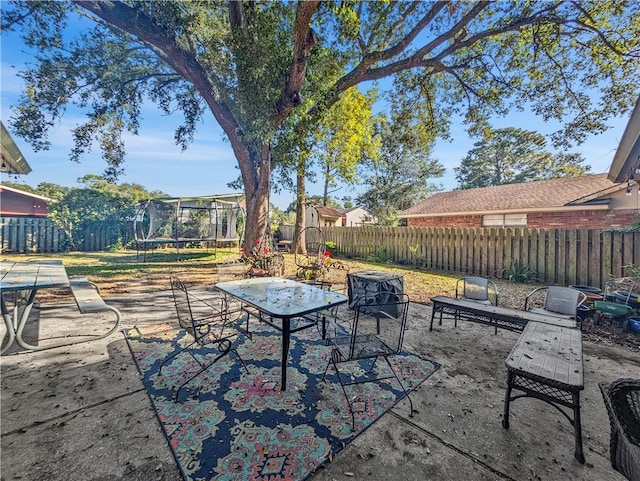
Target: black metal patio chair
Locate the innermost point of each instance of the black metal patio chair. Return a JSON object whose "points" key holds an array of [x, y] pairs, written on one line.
{"points": [[207, 325], [309, 254], [377, 331]]}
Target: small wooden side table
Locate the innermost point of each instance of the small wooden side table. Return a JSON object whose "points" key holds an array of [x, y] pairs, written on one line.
{"points": [[546, 363]]}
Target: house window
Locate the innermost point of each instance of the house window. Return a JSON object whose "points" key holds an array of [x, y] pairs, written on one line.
{"points": [[504, 220]]}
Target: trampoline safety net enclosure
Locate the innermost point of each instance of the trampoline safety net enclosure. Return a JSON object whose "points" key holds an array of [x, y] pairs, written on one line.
{"points": [[180, 221]]}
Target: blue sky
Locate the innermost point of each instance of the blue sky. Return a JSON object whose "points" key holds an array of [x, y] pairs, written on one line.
{"points": [[154, 161]]}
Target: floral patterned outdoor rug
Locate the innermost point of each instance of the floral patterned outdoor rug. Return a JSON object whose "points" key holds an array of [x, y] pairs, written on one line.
{"points": [[234, 425]]}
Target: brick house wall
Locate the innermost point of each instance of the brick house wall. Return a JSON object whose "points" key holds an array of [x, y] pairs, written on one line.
{"points": [[599, 219], [593, 219], [446, 221]]}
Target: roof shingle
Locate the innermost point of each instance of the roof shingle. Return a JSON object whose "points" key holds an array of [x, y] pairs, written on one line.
{"points": [[328, 212]]}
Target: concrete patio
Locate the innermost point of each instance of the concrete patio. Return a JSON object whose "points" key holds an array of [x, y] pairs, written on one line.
{"points": [[81, 412]]}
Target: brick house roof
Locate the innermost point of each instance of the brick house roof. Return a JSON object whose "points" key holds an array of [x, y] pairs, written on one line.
{"points": [[529, 196]]}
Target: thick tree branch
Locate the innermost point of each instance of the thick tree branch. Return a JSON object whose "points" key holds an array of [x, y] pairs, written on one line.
{"points": [[304, 40], [9, 21], [362, 74], [594, 30], [135, 22], [454, 31], [375, 57]]}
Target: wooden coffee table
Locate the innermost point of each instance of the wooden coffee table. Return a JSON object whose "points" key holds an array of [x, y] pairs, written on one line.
{"points": [[546, 363]]}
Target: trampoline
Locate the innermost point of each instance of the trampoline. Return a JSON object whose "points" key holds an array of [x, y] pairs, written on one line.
{"points": [[183, 221]]}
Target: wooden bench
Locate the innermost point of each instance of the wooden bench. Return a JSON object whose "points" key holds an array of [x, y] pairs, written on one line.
{"points": [[89, 301], [546, 364], [496, 316]]}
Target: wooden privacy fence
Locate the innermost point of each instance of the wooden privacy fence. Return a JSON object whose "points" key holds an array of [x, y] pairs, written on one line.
{"points": [[556, 256], [31, 234], [37, 234]]}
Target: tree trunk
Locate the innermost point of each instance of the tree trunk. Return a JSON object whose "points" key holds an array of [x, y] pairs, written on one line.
{"points": [[256, 187], [325, 195], [298, 245]]}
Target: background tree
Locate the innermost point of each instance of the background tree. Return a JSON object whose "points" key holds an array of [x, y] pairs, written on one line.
{"points": [[45, 189], [402, 172], [401, 176], [246, 62], [99, 205], [336, 143], [568, 164], [53, 191], [20, 186], [82, 212], [344, 138], [508, 156], [279, 217]]}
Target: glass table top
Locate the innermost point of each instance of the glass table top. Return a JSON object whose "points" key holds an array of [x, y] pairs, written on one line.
{"points": [[281, 297]]}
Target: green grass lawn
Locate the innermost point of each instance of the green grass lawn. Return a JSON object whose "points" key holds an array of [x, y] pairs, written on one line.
{"points": [[123, 271]]}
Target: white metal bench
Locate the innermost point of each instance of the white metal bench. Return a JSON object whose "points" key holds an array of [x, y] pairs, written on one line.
{"points": [[87, 295], [89, 301]]}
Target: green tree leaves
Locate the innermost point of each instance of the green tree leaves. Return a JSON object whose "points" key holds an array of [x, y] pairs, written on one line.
{"points": [[262, 68], [402, 173], [344, 138], [508, 156]]}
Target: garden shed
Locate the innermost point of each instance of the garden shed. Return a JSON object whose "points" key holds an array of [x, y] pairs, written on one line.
{"points": [[19, 203]]}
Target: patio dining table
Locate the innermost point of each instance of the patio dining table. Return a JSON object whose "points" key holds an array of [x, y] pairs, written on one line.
{"points": [[284, 299]]}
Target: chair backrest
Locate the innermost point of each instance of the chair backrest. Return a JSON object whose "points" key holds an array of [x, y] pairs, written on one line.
{"points": [[337, 274], [312, 238], [199, 322], [476, 289], [231, 270], [182, 303], [563, 300], [379, 325]]}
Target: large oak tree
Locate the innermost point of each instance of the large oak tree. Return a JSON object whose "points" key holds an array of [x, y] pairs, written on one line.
{"points": [[247, 63]]}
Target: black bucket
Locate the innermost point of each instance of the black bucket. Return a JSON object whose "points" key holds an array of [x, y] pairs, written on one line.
{"points": [[584, 312]]}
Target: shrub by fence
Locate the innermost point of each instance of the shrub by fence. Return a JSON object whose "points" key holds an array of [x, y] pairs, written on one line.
{"points": [[555, 256]]}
